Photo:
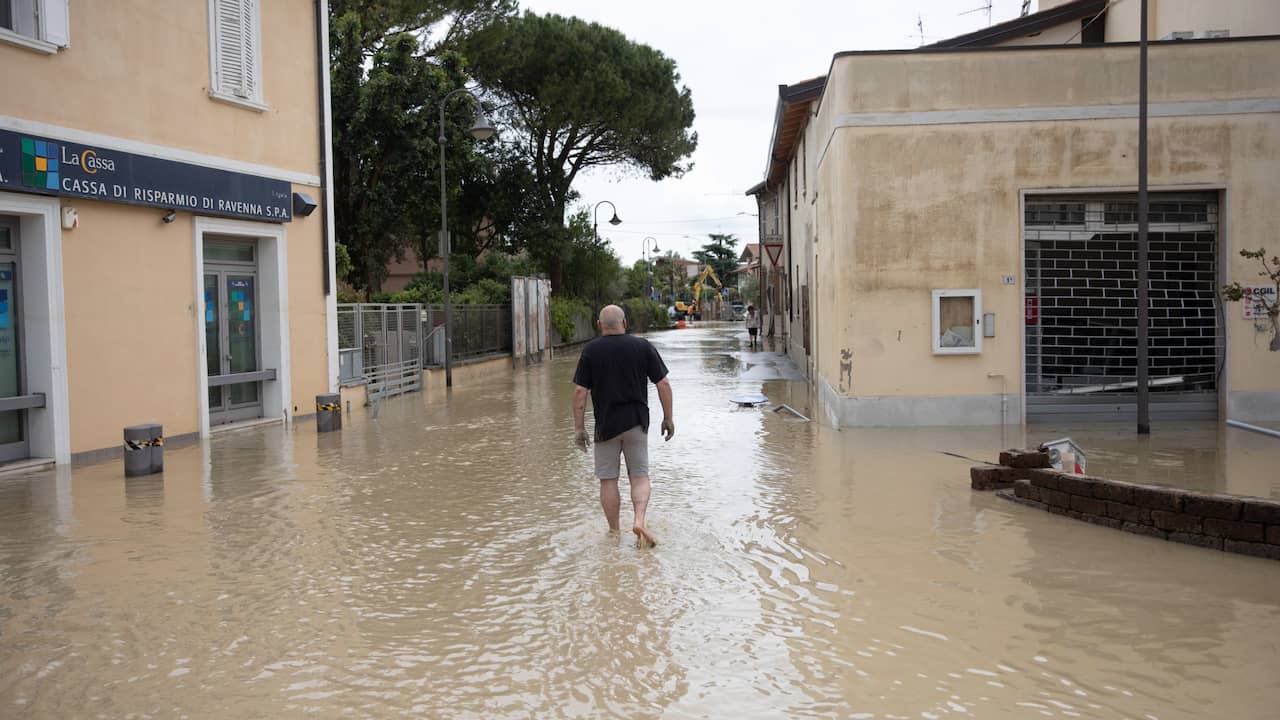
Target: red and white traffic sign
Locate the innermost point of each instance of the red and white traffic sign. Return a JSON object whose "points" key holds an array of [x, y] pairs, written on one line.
{"points": [[775, 252]]}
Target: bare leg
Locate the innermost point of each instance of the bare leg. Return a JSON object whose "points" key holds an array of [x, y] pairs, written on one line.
{"points": [[611, 501], [640, 501]]}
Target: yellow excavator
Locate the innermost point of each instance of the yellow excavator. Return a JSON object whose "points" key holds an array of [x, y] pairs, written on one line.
{"points": [[708, 273]]}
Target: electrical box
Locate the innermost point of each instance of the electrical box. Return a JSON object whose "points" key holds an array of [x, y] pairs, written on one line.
{"points": [[988, 324]]}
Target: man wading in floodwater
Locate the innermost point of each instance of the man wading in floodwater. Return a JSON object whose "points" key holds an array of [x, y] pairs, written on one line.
{"points": [[616, 368]]}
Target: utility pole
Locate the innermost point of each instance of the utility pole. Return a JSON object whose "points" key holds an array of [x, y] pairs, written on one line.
{"points": [[1144, 390]]}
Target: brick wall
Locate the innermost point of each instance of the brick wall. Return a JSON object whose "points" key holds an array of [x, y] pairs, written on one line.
{"points": [[1246, 525]]}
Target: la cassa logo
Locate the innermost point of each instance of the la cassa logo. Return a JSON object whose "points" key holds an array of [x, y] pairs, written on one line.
{"points": [[88, 160], [39, 164]]}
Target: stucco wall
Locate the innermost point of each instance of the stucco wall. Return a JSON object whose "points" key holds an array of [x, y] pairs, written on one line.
{"points": [[938, 205], [131, 321], [139, 69], [1240, 17]]}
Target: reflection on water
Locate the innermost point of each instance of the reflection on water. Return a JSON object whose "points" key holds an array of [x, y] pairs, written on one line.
{"points": [[449, 560]]}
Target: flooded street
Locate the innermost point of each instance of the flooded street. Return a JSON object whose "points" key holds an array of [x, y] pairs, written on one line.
{"points": [[449, 560]]}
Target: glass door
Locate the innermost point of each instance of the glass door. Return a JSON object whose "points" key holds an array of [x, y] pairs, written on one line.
{"points": [[13, 423], [231, 330], [241, 330]]}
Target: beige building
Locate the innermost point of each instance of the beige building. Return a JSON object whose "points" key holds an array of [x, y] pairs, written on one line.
{"points": [[159, 257], [960, 220]]}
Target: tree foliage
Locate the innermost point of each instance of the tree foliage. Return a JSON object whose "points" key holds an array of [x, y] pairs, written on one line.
{"points": [[721, 254], [578, 95], [386, 84]]}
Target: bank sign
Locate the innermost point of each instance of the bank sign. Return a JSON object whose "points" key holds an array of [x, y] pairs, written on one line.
{"points": [[29, 163]]}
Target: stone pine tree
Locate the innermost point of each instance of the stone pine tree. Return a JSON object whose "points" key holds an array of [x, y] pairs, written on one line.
{"points": [[721, 254], [578, 95], [391, 61]]}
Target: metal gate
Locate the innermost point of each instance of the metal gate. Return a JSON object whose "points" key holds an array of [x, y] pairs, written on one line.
{"points": [[1081, 308], [381, 344]]}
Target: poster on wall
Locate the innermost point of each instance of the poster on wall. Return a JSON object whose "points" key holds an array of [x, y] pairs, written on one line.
{"points": [[1256, 299]]}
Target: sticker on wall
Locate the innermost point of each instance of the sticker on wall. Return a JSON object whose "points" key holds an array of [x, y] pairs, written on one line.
{"points": [[4, 294], [6, 275], [208, 315]]}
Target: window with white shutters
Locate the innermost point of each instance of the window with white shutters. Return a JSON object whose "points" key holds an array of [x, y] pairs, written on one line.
{"points": [[37, 24], [235, 56]]}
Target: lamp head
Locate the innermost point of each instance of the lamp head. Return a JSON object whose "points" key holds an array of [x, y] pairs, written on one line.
{"points": [[655, 248], [482, 128], [615, 220]]}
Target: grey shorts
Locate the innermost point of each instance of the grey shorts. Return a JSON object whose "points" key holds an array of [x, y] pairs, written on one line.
{"points": [[634, 444]]}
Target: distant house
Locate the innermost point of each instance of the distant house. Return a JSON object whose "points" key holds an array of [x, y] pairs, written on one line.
{"points": [[959, 221]]}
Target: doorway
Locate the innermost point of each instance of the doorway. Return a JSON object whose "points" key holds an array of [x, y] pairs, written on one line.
{"points": [[231, 329], [1081, 307], [14, 434]]}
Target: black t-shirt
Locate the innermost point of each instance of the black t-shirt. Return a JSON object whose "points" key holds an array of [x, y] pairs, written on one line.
{"points": [[617, 370]]}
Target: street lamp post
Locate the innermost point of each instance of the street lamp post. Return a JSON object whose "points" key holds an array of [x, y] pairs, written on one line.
{"points": [[595, 232], [644, 253], [481, 129], [1144, 299]]}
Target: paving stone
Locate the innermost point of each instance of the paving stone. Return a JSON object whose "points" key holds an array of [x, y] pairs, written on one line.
{"points": [[1024, 458], [1147, 530], [1128, 513], [1196, 539], [1024, 489], [1262, 550], [1077, 484], [1176, 522], [1055, 498], [1089, 505], [1044, 478], [1012, 497], [1157, 498], [1222, 507], [1261, 510], [991, 477], [1115, 491], [1235, 530], [1102, 520]]}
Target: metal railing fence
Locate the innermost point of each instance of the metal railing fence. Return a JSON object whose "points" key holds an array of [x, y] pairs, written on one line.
{"points": [[478, 330], [375, 337]]}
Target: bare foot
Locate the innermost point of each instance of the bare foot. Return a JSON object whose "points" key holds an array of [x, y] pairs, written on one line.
{"points": [[643, 537]]}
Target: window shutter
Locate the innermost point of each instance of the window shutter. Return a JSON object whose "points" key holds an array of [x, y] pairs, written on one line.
{"points": [[235, 47], [249, 35], [55, 22]]}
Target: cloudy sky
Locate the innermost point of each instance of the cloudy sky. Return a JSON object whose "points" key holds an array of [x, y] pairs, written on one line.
{"points": [[733, 56]]}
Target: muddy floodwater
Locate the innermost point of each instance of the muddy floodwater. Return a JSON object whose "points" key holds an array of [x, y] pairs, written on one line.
{"points": [[448, 559]]}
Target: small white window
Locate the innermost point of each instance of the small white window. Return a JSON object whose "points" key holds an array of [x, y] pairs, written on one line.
{"points": [[37, 24], [957, 322], [234, 53]]}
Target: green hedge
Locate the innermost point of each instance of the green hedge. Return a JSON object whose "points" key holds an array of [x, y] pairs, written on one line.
{"points": [[645, 315], [564, 314]]}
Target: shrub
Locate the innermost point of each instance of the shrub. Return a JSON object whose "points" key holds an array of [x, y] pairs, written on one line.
{"points": [[644, 315], [564, 315]]}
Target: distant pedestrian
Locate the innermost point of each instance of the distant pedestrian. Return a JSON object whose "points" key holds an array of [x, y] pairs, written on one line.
{"points": [[753, 324], [615, 369]]}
